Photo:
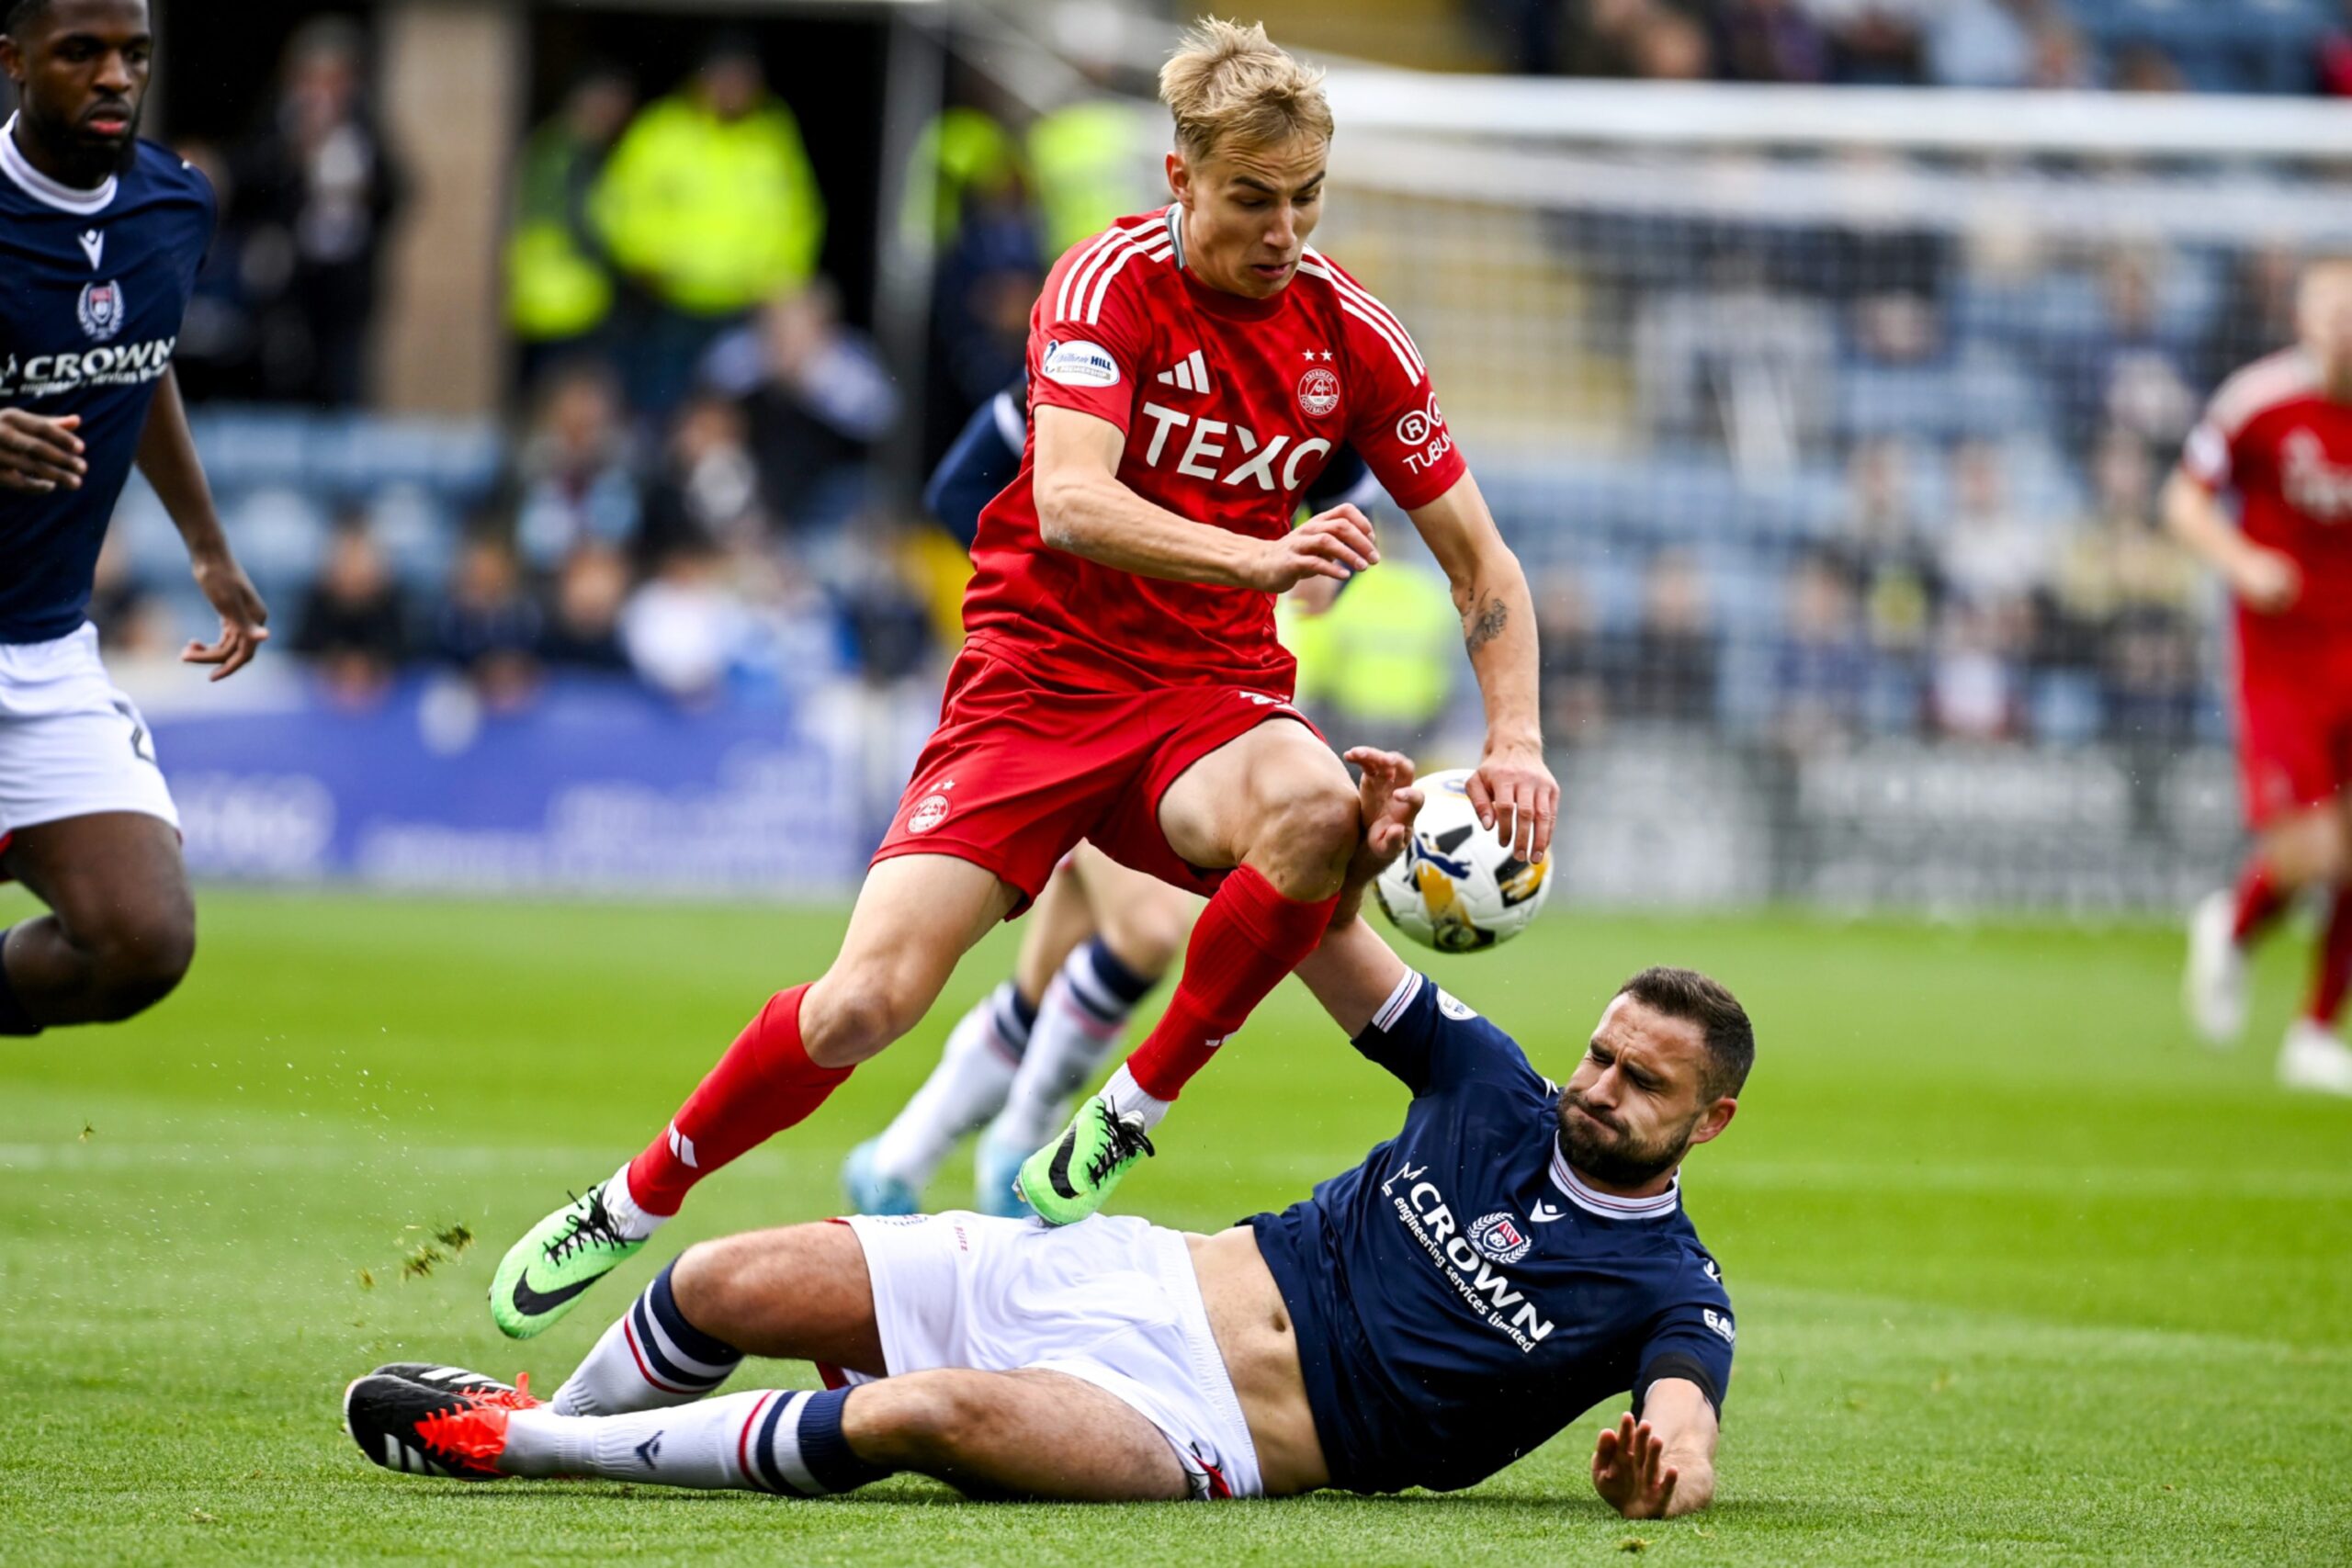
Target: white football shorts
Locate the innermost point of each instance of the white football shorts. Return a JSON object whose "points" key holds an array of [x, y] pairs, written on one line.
{"points": [[1112, 1301], [70, 743]]}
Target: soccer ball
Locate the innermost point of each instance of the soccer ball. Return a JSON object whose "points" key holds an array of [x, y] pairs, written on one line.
{"points": [[1457, 887]]}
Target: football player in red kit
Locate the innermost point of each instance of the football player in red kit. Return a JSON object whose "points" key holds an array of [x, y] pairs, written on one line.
{"points": [[2278, 434], [1191, 370]]}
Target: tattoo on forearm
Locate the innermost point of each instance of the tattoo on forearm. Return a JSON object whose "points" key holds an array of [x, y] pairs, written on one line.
{"points": [[1487, 625]]}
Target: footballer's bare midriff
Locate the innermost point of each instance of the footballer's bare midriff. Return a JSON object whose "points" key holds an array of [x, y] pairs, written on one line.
{"points": [[1254, 1334]]}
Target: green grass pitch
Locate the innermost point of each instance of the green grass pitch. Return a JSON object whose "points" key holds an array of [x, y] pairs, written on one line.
{"points": [[2023, 1275]]}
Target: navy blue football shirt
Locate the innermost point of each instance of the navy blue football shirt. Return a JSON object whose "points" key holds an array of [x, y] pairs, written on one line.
{"points": [[1461, 1296], [92, 284]]}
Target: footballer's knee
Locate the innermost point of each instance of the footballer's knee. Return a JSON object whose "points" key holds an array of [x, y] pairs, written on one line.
{"points": [[726, 1287], [137, 960], [2307, 849], [1307, 830], [1149, 932], [853, 1013], [926, 1421]]}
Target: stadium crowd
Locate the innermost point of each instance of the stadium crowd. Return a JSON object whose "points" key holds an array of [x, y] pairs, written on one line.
{"points": [[685, 490], [2291, 46]]}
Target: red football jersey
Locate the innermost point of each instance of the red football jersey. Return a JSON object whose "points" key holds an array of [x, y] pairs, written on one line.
{"points": [[2272, 435], [1230, 406]]}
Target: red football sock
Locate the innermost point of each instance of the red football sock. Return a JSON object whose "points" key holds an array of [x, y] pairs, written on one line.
{"points": [[2334, 976], [1246, 940], [2260, 899], [765, 1084]]}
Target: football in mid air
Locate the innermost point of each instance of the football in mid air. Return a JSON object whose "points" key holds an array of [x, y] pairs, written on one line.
{"points": [[1457, 887]]}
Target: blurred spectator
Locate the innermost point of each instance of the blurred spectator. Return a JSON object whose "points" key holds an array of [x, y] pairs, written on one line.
{"points": [[489, 628], [134, 621], [583, 630], [817, 398], [1527, 34], [316, 192], [1385, 656], [2258, 311], [559, 286], [682, 629], [1821, 667], [707, 494], [1669, 46], [1769, 40], [1990, 556], [218, 352], [354, 623], [2146, 68], [1875, 43], [1884, 552], [1576, 702], [573, 475], [972, 160], [1982, 43], [710, 207], [2129, 371], [1672, 674], [1977, 694], [2059, 62], [1091, 161], [887, 622], [2121, 593]]}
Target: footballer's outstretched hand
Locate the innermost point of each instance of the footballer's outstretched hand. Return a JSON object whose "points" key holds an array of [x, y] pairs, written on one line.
{"points": [[40, 453], [1514, 794], [1389, 801], [1336, 544], [244, 618], [1630, 1471]]}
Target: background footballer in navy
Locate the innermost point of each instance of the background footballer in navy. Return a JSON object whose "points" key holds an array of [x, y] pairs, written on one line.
{"points": [[1514, 1255], [101, 237]]}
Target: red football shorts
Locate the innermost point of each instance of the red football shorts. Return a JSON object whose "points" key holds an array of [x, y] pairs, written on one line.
{"points": [[1020, 770], [2294, 731]]}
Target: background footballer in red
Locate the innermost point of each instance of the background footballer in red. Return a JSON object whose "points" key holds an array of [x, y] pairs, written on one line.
{"points": [[1191, 371], [2278, 434]]}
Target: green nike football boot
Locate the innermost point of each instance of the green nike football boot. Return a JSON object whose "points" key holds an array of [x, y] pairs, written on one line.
{"points": [[543, 1274], [1069, 1178]]}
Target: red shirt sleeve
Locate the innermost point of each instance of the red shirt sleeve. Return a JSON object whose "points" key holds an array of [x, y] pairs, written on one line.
{"points": [[2208, 455], [1088, 334], [1396, 426]]}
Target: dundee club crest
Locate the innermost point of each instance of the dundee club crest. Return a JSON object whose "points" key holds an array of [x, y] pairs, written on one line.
{"points": [[1502, 1237], [101, 310]]}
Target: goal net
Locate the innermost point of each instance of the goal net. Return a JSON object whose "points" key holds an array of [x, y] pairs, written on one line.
{"points": [[1829, 426]]}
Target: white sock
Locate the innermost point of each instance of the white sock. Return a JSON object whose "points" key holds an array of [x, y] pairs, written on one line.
{"points": [[984, 1050], [633, 1222], [765, 1441], [651, 1359], [1127, 1098], [1079, 1025]]}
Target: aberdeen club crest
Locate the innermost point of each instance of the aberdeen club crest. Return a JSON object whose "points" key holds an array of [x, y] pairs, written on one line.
{"points": [[102, 309]]}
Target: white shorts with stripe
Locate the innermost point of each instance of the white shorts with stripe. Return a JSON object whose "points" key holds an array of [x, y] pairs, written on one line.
{"points": [[1112, 1301], [70, 743]]}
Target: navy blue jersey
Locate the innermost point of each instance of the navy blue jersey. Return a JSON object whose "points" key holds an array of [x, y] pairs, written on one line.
{"points": [[92, 287], [1461, 1296], [987, 456]]}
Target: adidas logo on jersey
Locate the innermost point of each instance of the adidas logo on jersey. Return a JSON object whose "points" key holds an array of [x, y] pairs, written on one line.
{"points": [[1189, 374]]}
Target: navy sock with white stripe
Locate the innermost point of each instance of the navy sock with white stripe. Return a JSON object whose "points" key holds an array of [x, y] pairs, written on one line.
{"points": [[651, 1359], [767, 1440], [963, 1092], [1078, 1024]]}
